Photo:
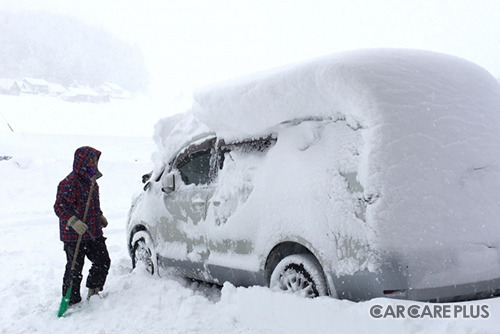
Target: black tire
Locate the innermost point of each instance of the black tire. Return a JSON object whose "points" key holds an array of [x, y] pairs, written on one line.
{"points": [[143, 254], [299, 274]]}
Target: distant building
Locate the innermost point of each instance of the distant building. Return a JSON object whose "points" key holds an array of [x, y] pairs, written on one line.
{"points": [[34, 86], [9, 87], [56, 89], [14, 89], [83, 94], [113, 91], [75, 93]]}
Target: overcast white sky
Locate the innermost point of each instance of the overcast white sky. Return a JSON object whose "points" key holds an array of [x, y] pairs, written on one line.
{"points": [[191, 43]]}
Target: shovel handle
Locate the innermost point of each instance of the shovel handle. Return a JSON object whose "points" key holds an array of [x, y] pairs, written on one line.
{"points": [[84, 219], [73, 262], [88, 199]]}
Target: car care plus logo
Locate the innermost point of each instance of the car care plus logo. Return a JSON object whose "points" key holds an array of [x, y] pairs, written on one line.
{"points": [[433, 311]]}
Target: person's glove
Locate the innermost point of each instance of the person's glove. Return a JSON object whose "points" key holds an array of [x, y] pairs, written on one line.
{"points": [[77, 225], [104, 221]]}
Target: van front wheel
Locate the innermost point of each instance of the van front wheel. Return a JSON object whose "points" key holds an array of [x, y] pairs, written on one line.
{"points": [[300, 274], [143, 255]]}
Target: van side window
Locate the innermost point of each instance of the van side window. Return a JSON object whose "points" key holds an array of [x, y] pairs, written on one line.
{"points": [[256, 146], [195, 167]]}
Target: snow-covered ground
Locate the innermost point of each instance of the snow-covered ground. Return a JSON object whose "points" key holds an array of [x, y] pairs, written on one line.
{"points": [[46, 133]]}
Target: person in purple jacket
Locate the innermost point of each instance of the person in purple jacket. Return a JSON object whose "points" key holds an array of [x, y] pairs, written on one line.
{"points": [[71, 200]]}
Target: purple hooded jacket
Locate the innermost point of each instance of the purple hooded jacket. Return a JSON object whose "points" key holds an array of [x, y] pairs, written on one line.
{"points": [[72, 195]]}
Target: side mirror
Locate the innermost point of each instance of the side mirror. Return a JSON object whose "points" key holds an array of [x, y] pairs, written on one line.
{"points": [[168, 183], [146, 177]]}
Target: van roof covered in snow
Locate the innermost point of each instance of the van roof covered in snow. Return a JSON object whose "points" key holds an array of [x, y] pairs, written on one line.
{"points": [[364, 86]]}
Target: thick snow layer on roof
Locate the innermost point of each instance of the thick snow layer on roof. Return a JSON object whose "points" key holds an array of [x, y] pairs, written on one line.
{"points": [[365, 86], [428, 158]]}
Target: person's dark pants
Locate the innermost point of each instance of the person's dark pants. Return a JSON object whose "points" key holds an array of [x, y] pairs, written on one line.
{"points": [[97, 253]]}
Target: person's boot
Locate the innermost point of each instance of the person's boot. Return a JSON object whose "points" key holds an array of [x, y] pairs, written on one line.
{"points": [[93, 292], [74, 299]]}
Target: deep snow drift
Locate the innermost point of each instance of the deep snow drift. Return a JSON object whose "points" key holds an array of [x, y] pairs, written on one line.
{"points": [[47, 131]]}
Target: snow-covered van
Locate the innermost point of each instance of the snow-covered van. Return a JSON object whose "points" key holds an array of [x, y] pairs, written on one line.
{"points": [[363, 174]]}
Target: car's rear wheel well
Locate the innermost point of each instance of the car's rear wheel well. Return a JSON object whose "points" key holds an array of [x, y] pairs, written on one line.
{"points": [[279, 252]]}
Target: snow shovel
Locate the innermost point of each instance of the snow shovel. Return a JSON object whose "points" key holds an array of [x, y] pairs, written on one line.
{"points": [[65, 300]]}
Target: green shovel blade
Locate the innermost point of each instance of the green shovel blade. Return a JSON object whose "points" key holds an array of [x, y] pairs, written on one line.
{"points": [[64, 303]]}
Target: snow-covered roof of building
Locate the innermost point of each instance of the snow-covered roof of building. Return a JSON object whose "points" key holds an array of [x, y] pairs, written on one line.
{"points": [[81, 90], [37, 82], [110, 86]]}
